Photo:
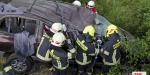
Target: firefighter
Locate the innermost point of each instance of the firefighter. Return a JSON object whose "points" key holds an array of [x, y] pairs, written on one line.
{"points": [[85, 50], [91, 5], [8, 69], [77, 3], [42, 51], [111, 49], [60, 58]]}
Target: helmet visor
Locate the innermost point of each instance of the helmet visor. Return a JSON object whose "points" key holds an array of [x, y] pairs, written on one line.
{"points": [[90, 6]]}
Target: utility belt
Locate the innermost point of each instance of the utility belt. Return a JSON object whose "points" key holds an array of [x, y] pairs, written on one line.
{"points": [[83, 63]]}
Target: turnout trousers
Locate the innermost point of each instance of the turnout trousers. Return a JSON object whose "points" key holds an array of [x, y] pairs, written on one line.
{"points": [[60, 72], [105, 69], [82, 69]]}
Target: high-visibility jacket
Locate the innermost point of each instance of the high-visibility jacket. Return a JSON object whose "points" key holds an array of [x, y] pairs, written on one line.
{"points": [[111, 50], [60, 58], [85, 50], [42, 51]]}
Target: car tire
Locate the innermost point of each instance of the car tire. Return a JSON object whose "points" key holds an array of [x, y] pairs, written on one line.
{"points": [[18, 66]]}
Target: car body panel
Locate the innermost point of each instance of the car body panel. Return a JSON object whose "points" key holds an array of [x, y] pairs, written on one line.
{"points": [[6, 42]]}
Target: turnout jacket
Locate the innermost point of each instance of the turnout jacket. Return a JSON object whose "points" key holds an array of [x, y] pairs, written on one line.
{"points": [[111, 50], [85, 50], [42, 51], [60, 58]]}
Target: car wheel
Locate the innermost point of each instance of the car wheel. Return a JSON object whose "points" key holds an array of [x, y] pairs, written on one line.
{"points": [[18, 66]]}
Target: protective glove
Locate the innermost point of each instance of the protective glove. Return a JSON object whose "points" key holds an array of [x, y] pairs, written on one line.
{"points": [[71, 48], [96, 51], [68, 41]]}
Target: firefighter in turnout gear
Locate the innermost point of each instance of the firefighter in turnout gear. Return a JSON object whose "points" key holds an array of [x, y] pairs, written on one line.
{"points": [[60, 58], [111, 49], [42, 52], [85, 49]]}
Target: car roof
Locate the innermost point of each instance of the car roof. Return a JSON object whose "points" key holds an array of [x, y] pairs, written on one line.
{"points": [[49, 12]]}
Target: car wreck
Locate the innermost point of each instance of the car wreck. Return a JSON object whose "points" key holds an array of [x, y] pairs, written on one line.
{"points": [[32, 17]]}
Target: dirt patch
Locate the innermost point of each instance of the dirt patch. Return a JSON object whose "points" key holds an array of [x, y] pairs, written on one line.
{"points": [[43, 70]]}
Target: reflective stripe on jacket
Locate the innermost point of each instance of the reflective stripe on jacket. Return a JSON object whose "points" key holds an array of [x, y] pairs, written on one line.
{"points": [[43, 52], [60, 58], [85, 50], [111, 50], [8, 68]]}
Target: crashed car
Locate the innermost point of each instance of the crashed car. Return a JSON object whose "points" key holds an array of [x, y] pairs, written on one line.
{"points": [[32, 16]]}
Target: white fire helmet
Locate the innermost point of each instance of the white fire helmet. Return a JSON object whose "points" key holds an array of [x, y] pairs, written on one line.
{"points": [[58, 39], [91, 4], [56, 27], [77, 3]]}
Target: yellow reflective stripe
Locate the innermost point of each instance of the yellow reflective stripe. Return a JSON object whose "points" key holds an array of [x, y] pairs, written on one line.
{"points": [[61, 68], [69, 56], [90, 73], [47, 56], [51, 68], [102, 49], [80, 71], [81, 44], [84, 57], [6, 69], [92, 54], [45, 35], [117, 44], [59, 64], [72, 50], [106, 52], [113, 59], [81, 63], [54, 56]]}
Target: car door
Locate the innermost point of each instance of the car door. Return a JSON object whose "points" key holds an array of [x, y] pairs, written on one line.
{"points": [[6, 38]]}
